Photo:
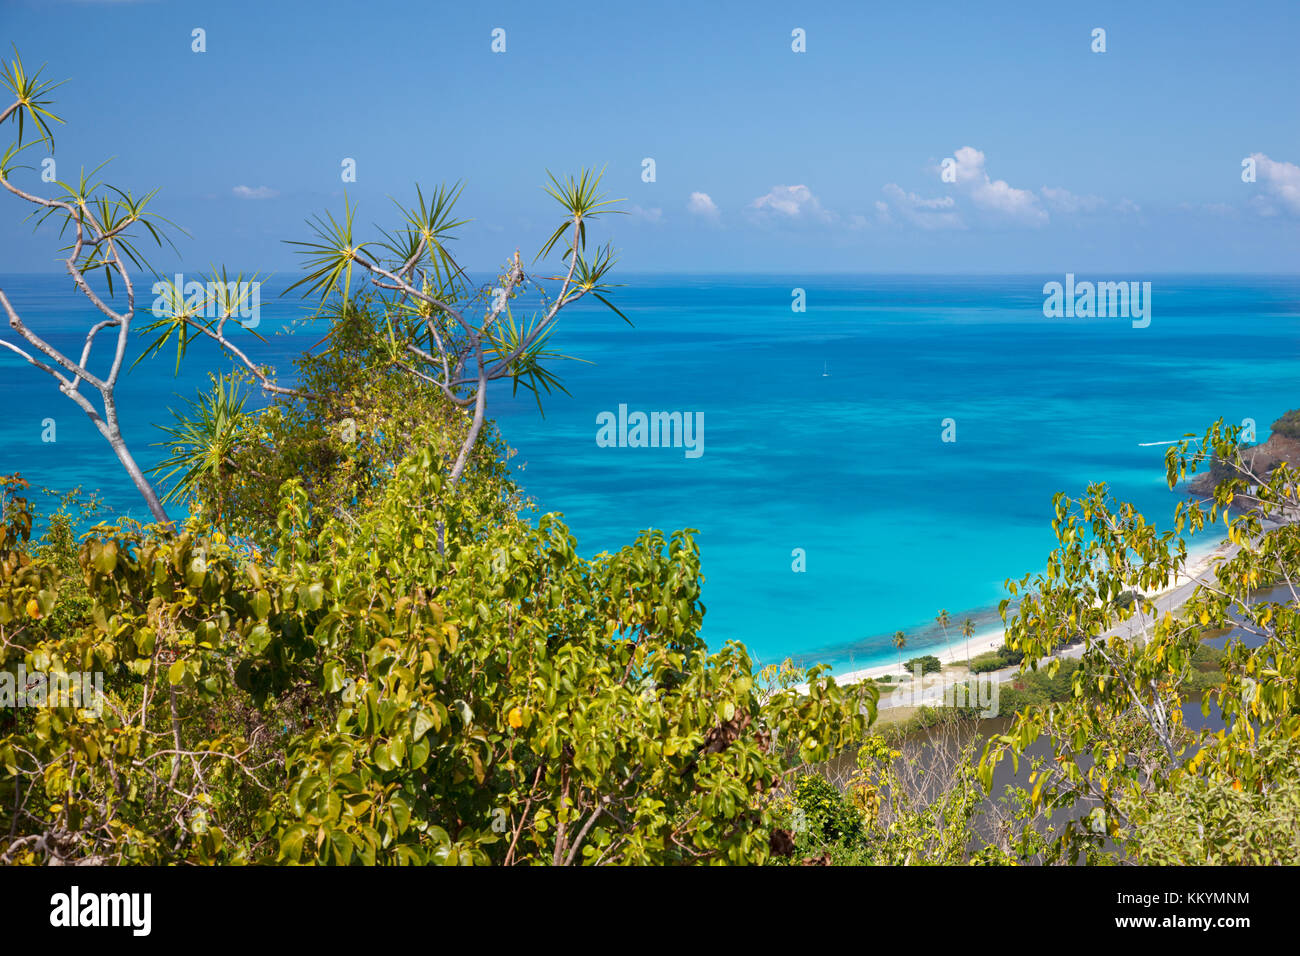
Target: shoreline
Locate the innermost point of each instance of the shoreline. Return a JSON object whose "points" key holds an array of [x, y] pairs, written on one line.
{"points": [[1199, 560]]}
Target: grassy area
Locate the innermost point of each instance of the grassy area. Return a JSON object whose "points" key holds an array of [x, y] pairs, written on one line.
{"points": [[1033, 688]]}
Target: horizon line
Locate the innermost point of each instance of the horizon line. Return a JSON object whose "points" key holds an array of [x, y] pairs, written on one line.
{"points": [[801, 272]]}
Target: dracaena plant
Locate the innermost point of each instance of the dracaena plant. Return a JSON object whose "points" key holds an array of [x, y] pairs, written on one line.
{"points": [[440, 329], [106, 229], [444, 331]]}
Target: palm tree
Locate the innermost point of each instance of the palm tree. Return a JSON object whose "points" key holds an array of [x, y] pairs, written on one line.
{"points": [[900, 642], [944, 620], [967, 629]]}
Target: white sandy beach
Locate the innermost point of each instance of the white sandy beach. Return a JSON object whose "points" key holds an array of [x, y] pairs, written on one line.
{"points": [[1199, 561]]}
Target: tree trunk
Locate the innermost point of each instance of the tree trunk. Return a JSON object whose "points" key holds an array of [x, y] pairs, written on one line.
{"points": [[108, 428], [480, 409]]}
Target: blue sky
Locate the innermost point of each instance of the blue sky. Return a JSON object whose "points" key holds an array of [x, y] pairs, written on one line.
{"points": [[1127, 161]]}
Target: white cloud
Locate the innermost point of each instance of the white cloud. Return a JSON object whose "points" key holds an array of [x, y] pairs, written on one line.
{"points": [[1280, 184], [251, 192], [792, 202], [973, 197], [1068, 203], [701, 205], [939, 212], [995, 195], [654, 215], [1062, 200]]}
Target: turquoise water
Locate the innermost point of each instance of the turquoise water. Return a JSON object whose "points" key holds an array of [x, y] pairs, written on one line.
{"points": [[822, 431]]}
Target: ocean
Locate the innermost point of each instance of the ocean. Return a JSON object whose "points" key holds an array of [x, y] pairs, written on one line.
{"points": [[831, 510]]}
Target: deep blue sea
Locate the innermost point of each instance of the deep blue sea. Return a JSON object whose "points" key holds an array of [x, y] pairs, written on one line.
{"points": [[822, 429]]}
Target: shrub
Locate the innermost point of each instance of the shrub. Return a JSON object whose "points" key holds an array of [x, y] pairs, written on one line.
{"points": [[822, 812], [929, 664], [1288, 425], [995, 660], [362, 694]]}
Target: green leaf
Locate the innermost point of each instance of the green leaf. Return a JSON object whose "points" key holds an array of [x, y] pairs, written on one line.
{"points": [[104, 557], [334, 676], [421, 724]]}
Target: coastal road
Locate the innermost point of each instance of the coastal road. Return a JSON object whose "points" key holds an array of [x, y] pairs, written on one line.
{"points": [[1167, 601]]}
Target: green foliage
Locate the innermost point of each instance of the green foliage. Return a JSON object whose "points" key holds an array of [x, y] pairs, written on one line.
{"points": [[995, 660], [185, 318], [822, 813], [1038, 687], [1288, 425], [202, 446], [1119, 740], [332, 258], [1128, 598], [362, 649], [356, 694], [342, 438], [922, 809], [583, 202], [1217, 822], [915, 801], [526, 356], [929, 664], [31, 94]]}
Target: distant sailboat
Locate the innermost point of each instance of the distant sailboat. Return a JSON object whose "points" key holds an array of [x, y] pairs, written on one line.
{"points": [[825, 374]]}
